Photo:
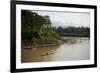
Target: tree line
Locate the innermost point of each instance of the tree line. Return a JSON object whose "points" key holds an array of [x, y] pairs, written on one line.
{"points": [[73, 31]]}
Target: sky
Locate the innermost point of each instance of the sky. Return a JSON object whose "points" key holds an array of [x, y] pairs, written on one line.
{"points": [[66, 19]]}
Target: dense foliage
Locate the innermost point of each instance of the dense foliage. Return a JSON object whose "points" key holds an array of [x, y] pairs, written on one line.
{"points": [[73, 31], [35, 26]]}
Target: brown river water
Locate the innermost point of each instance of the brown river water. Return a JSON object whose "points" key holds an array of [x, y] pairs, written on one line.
{"points": [[77, 50]]}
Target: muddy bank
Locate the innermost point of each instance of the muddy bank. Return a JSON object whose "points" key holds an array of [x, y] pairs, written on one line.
{"points": [[30, 44]]}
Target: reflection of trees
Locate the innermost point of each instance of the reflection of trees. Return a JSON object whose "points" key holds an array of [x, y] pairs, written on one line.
{"points": [[73, 31]]}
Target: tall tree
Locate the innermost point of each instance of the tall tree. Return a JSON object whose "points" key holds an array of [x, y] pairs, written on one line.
{"points": [[36, 26]]}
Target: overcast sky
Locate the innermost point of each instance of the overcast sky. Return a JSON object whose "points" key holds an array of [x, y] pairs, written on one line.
{"points": [[66, 19]]}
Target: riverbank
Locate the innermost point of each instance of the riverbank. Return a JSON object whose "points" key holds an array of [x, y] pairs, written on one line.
{"points": [[37, 44], [40, 43]]}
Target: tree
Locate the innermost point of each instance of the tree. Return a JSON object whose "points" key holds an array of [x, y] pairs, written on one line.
{"points": [[36, 26]]}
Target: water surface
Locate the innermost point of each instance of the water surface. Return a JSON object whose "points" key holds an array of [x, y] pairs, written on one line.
{"points": [[79, 50]]}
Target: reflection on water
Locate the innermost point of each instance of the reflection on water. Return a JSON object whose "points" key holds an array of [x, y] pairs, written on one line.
{"points": [[67, 51]]}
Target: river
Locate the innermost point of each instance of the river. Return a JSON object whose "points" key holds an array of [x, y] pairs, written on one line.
{"points": [[78, 50]]}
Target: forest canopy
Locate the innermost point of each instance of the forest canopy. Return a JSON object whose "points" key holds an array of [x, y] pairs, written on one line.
{"points": [[35, 26]]}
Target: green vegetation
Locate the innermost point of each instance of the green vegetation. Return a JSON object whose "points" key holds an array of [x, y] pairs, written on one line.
{"points": [[37, 28], [73, 31]]}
